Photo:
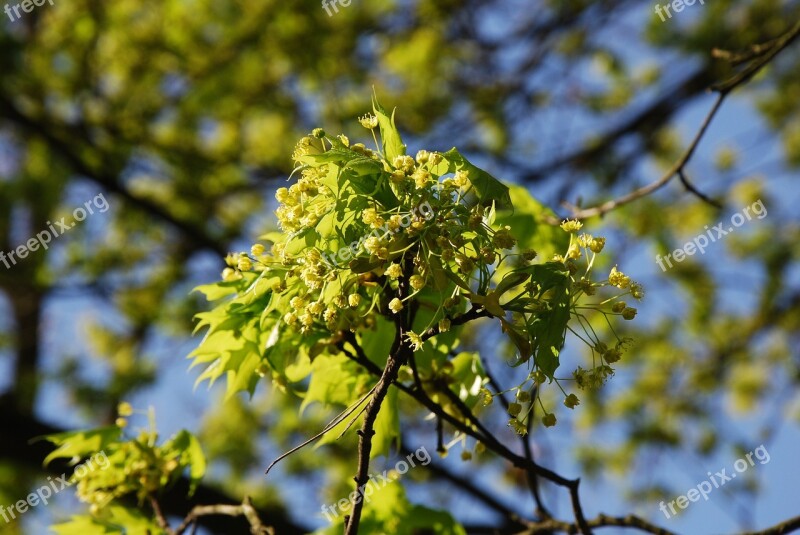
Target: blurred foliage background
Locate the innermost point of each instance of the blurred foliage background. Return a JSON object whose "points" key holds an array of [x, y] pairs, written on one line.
{"points": [[183, 113]]}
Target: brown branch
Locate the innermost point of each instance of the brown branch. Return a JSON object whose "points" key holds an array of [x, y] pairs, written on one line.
{"points": [[677, 167], [398, 355], [601, 521], [788, 526], [480, 433], [474, 313], [766, 53], [246, 510], [160, 518], [723, 89], [691, 188]]}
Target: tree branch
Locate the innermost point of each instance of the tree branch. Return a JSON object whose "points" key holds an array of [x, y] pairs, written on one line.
{"points": [[246, 510], [398, 355], [601, 521], [767, 53]]}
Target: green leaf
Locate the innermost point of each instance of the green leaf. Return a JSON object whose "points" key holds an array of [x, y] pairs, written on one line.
{"points": [[218, 290], [191, 455], [77, 445], [390, 138], [547, 328], [115, 520], [487, 188], [469, 377], [335, 379], [528, 225], [387, 510]]}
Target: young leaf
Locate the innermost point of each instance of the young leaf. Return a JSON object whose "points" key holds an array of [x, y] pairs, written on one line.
{"points": [[390, 137]]}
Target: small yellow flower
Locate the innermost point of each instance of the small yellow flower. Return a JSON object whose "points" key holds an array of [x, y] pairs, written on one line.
{"points": [[290, 318], [395, 222], [422, 157], [372, 244], [394, 271], [330, 314], [229, 275], [618, 279], [124, 409], [369, 216], [316, 308], [405, 163], [637, 290], [257, 250], [503, 238], [282, 195], [297, 302], [417, 282], [572, 226], [121, 422], [395, 305], [549, 419], [538, 377], [421, 178], [354, 300], [444, 325], [461, 179], [597, 245], [612, 355], [486, 396], [618, 307], [518, 427], [415, 339], [574, 251], [245, 264], [571, 401], [368, 121]]}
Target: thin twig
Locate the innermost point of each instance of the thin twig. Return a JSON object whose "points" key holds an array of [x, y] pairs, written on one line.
{"points": [[246, 510], [162, 520], [333, 423], [678, 166], [763, 55], [630, 521], [788, 526]]}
